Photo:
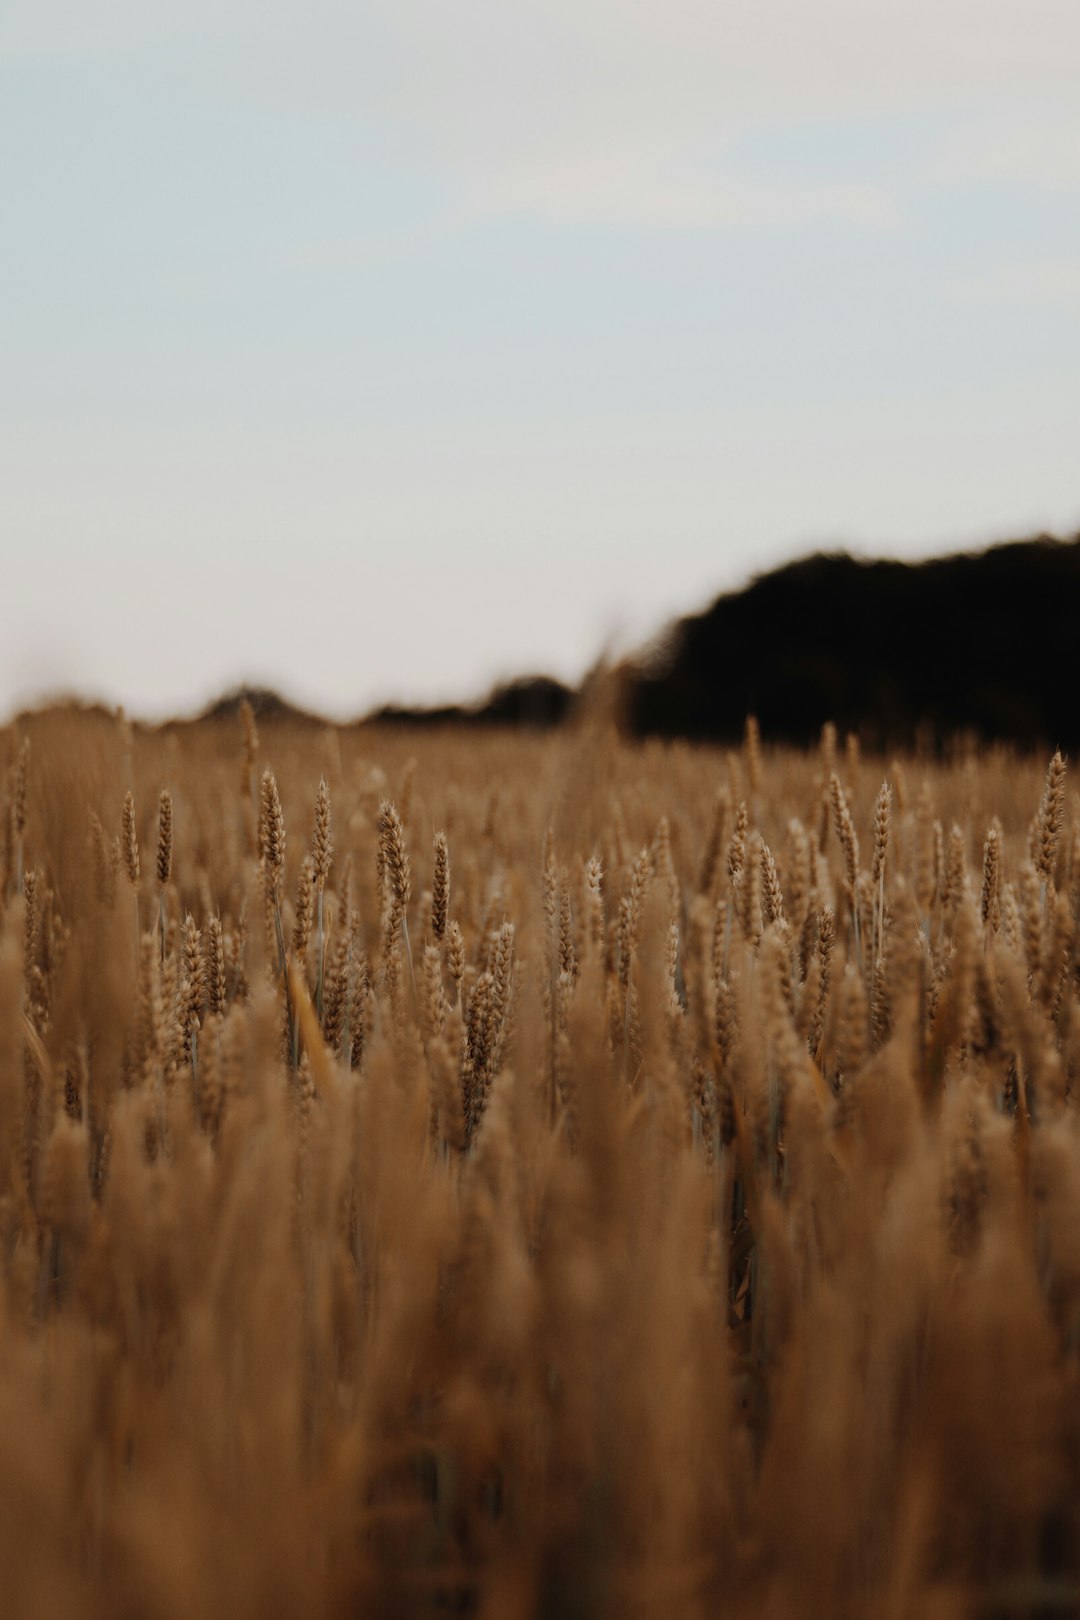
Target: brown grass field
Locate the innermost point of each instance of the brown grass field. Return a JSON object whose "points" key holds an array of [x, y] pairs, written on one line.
{"points": [[660, 1197]]}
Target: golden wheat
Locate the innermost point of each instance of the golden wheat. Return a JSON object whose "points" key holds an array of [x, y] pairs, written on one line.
{"points": [[697, 1233]]}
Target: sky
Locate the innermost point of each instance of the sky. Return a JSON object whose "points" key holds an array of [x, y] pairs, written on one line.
{"points": [[377, 352]]}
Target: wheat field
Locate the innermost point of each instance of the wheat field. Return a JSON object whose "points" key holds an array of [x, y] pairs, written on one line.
{"points": [[476, 1173]]}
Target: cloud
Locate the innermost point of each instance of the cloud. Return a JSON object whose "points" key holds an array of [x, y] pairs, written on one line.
{"points": [[613, 195], [1041, 283], [1022, 144], [624, 110], [609, 191]]}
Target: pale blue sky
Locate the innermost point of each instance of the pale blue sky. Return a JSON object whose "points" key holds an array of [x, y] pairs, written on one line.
{"points": [[381, 351]]}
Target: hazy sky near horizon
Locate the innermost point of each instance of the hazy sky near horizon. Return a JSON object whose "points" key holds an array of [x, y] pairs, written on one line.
{"points": [[379, 351]]}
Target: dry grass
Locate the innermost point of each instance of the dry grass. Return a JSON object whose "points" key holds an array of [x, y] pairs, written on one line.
{"points": [[479, 1175]]}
